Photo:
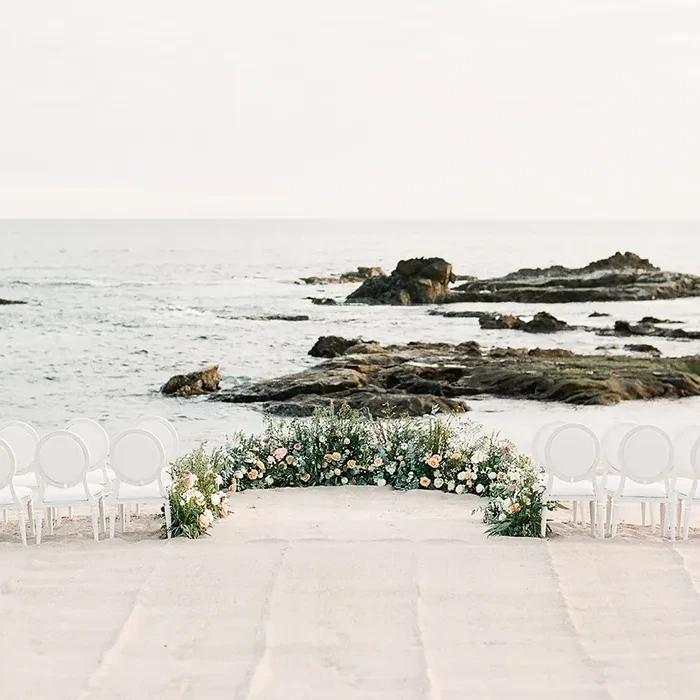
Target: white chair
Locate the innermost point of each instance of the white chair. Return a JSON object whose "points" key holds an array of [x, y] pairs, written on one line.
{"points": [[138, 460], [23, 440], [538, 444], [97, 441], [646, 458], [612, 472], [62, 462], [16, 498], [686, 481], [571, 458], [164, 430]]}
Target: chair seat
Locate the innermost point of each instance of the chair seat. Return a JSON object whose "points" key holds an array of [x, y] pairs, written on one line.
{"points": [[632, 489], [27, 480], [571, 491], [97, 476], [6, 498], [74, 494], [128, 492]]}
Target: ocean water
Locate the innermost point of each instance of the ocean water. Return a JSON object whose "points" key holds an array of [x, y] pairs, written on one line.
{"points": [[117, 307]]}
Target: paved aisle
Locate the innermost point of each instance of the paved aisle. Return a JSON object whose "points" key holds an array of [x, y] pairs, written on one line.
{"points": [[326, 594]]}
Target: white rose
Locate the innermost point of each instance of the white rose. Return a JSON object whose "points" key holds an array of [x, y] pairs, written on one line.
{"points": [[492, 476], [501, 517], [346, 441], [479, 488], [344, 481], [336, 472], [215, 499], [238, 474], [209, 515], [460, 488], [439, 483], [390, 469], [450, 485], [462, 476], [269, 480], [381, 482]]}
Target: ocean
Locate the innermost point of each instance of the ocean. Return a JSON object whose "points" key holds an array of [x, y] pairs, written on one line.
{"points": [[117, 307]]}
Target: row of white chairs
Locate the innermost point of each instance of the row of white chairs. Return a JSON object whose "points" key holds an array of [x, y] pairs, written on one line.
{"points": [[631, 464], [79, 467]]}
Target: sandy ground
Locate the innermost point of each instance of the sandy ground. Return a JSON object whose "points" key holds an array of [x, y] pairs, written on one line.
{"points": [[327, 594]]}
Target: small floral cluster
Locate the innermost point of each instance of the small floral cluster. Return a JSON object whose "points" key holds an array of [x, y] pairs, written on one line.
{"points": [[348, 447], [196, 496]]}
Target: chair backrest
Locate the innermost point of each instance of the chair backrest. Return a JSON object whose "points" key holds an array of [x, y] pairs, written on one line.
{"points": [[62, 459], [95, 438], [646, 455], [572, 453], [611, 444], [7, 464], [540, 439], [164, 430], [137, 457], [683, 444], [23, 440]]}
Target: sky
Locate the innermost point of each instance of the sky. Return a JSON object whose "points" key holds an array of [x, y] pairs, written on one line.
{"points": [[369, 108]]}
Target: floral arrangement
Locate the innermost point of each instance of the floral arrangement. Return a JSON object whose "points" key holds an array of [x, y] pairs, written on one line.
{"points": [[196, 496], [349, 447]]}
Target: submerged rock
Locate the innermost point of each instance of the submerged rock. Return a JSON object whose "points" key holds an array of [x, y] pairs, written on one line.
{"points": [[205, 381], [621, 277], [8, 302], [323, 301], [414, 281], [598, 314], [625, 329], [641, 347], [418, 376]]}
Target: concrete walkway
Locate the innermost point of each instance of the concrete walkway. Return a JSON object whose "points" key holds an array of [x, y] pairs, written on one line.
{"points": [[327, 594]]}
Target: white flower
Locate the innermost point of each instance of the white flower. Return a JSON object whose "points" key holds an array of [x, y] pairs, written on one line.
{"points": [[218, 480], [269, 480], [390, 469], [215, 499], [209, 515], [381, 482], [479, 488], [450, 485], [238, 474], [346, 441], [492, 476], [437, 473], [270, 460], [462, 476], [336, 471], [439, 483], [460, 488], [344, 481], [501, 517]]}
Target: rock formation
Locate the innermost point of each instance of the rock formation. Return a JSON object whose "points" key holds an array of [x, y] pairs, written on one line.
{"points": [[205, 381]]}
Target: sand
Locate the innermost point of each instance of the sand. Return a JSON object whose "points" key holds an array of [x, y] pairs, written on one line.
{"points": [[349, 593]]}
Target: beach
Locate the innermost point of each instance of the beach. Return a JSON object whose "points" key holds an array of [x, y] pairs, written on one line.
{"points": [[351, 593]]}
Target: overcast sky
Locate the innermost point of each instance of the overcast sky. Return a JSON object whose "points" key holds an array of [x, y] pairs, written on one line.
{"points": [[368, 108]]}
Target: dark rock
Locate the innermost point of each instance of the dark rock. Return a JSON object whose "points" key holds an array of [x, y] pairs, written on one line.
{"points": [[542, 322], [625, 328], [652, 320], [323, 301], [470, 348], [8, 302], [622, 277], [649, 349], [280, 317], [622, 328], [598, 314], [206, 381], [359, 275], [458, 314], [333, 346], [414, 281], [417, 376]]}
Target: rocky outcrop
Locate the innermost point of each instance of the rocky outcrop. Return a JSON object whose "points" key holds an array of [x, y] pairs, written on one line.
{"points": [[414, 281], [625, 329], [279, 317], [621, 277], [541, 322], [335, 345], [322, 301], [359, 275], [598, 314], [641, 347], [418, 376], [206, 381]]}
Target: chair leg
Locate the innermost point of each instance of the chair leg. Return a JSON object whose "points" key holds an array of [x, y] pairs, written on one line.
{"points": [[138, 510], [615, 517], [95, 522], [652, 516], [591, 513], [103, 514], [543, 523], [30, 513], [662, 520], [608, 516], [70, 512], [679, 518], [112, 518], [5, 516], [49, 515], [672, 519], [22, 526], [644, 514], [574, 512], [601, 520], [122, 508], [169, 519], [38, 515], [686, 519]]}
